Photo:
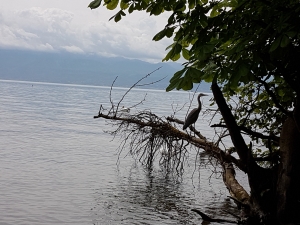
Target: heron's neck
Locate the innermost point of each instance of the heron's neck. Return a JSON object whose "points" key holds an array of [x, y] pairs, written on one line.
{"points": [[199, 103]]}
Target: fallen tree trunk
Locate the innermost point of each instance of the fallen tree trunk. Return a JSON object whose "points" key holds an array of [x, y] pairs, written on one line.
{"points": [[150, 132]]}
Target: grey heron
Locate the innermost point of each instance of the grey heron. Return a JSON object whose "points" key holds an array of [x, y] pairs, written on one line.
{"points": [[193, 115]]}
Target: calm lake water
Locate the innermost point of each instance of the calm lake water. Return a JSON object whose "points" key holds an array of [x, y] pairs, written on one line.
{"points": [[58, 166]]}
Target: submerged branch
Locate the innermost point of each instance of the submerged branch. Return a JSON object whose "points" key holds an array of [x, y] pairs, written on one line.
{"points": [[209, 219]]}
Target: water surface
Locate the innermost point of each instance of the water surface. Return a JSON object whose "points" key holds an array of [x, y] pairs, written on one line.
{"points": [[59, 167]]}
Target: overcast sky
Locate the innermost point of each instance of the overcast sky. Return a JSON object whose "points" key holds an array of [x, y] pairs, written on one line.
{"points": [[68, 25]]}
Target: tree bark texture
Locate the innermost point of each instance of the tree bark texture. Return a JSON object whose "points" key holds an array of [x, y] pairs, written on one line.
{"points": [[235, 189], [288, 186]]}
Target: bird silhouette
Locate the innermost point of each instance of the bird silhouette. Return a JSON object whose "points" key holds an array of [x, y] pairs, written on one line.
{"points": [[193, 115]]}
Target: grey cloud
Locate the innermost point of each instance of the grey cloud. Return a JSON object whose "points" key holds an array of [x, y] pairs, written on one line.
{"points": [[56, 29]]}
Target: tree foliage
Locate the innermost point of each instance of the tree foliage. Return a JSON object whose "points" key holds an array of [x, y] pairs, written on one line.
{"points": [[248, 50], [249, 47]]}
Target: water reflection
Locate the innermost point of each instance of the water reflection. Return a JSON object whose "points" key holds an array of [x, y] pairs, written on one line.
{"points": [[147, 197], [155, 196]]}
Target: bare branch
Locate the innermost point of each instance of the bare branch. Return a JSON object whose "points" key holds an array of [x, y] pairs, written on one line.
{"points": [[252, 133], [136, 84]]}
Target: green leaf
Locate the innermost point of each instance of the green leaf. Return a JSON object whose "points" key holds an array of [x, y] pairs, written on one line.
{"points": [[180, 83], [177, 48], [175, 57], [170, 46], [122, 13], [194, 74], [112, 4], [94, 4], [192, 4], [156, 10], [160, 35], [174, 53], [224, 73], [233, 3], [169, 31], [138, 7], [177, 75], [173, 84], [208, 77], [291, 34], [275, 44], [203, 21], [188, 73], [180, 6], [112, 17], [202, 56], [187, 85], [234, 80], [169, 55], [131, 8], [124, 5], [214, 12], [144, 5], [196, 79], [281, 92], [171, 19], [243, 70], [179, 34], [185, 53], [207, 48], [284, 41], [118, 17]]}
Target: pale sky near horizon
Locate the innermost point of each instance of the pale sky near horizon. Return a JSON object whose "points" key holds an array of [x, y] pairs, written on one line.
{"points": [[68, 25]]}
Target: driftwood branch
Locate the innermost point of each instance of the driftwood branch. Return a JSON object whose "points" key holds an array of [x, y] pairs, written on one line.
{"points": [[154, 132], [147, 137]]}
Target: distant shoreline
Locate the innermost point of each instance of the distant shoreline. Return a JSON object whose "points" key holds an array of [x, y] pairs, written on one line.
{"points": [[67, 68], [86, 85]]}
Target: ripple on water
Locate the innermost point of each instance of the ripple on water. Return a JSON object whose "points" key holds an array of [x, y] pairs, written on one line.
{"points": [[58, 167]]}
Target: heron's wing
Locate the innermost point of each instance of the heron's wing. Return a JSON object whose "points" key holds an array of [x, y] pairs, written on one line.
{"points": [[191, 113], [191, 118]]}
